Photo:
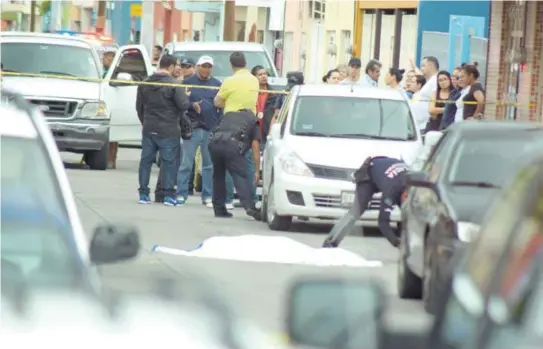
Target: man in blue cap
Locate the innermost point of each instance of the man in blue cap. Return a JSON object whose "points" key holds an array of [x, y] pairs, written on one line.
{"points": [[187, 67]]}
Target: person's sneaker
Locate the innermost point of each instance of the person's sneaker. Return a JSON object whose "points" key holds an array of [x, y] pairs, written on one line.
{"points": [[255, 213], [229, 206], [144, 199], [329, 244], [159, 199], [237, 204], [169, 201], [180, 201], [207, 202], [221, 212]]}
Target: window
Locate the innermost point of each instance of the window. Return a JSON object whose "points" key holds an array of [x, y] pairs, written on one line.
{"points": [[502, 218], [485, 160], [221, 59], [350, 117], [133, 63], [49, 59], [36, 231]]}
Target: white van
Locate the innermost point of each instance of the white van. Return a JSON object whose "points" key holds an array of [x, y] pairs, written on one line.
{"points": [[255, 54], [323, 134], [62, 75]]}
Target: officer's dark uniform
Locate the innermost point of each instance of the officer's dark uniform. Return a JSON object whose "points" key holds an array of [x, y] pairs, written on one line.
{"points": [[229, 142], [378, 174]]}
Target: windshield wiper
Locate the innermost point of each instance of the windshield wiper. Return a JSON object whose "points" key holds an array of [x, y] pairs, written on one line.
{"points": [[312, 134], [474, 184], [363, 136]]}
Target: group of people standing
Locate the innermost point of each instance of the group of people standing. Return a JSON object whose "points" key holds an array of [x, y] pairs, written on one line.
{"points": [[180, 121], [439, 98]]}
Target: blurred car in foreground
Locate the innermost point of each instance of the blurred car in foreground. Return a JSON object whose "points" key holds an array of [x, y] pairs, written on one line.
{"points": [[35, 319], [496, 293], [43, 242], [321, 138], [449, 197]]}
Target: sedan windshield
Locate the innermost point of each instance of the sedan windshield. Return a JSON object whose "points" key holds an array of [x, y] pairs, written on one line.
{"points": [[352, 117], [36, 241], [484, 162], [221, 60], [49, 59]]}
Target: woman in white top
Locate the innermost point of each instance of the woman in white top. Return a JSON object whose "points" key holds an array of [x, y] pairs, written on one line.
{"points": [[459, 115]]}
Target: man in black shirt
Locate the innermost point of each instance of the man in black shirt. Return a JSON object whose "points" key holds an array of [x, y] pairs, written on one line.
{"points": [[159, 109], [377, 174], [236, 133]]}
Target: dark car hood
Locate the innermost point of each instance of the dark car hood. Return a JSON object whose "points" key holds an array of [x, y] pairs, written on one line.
{"points": [[470, 203]]}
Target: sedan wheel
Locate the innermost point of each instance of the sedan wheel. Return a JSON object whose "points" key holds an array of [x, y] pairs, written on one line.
{"points": [[275, 222], [409, 284]]}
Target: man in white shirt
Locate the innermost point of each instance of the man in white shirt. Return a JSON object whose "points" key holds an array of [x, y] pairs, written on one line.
{"points": [[420, 106], [373, 70]]}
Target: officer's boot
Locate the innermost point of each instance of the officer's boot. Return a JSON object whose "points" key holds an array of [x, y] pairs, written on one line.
{"points": [[221, 212], [255, 213]]}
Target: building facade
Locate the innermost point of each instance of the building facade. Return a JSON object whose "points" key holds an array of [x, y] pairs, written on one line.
{"points": [[514, 74]]}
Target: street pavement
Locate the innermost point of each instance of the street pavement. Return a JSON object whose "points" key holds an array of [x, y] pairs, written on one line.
{"points": [[256, 290]]}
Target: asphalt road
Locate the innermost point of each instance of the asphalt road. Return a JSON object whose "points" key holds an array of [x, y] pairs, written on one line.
{"points": [[256, 290]]}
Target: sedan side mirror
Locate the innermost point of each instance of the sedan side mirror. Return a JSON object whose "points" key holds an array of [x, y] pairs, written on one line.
{"points": [[418, 179], [122, 77], [335, 313], [112, 243]]}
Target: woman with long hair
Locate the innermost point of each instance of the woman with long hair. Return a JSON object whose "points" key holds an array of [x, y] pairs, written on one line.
{"points": [[436, 107], [474, 98], [333, 77]]}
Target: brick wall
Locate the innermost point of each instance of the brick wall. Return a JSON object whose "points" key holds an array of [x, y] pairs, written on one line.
{"points": [[530, 90], [495, 61]]}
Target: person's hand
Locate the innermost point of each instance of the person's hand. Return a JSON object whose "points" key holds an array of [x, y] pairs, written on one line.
{"points": [[196, 106], [257, 177]]}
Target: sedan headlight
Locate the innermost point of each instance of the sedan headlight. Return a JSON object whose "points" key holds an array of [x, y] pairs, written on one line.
{"points": [[94, 110], [466, 231], [292, 164]]}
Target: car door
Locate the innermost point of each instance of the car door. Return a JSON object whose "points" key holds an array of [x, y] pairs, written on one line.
{"points": [[125, 126], [273, 145]]}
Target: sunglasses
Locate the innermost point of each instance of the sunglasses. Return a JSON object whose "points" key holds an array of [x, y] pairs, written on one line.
{"points": [[186, 66]]}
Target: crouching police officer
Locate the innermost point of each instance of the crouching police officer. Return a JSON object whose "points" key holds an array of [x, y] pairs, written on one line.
{"points": [[236, 133], [377, 174]]}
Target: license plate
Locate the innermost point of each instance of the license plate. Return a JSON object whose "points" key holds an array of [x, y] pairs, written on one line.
{"points": [[347, 198]]}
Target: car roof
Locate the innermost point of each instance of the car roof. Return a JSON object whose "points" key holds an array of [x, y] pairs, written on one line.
{"points": [[349, 91], [16, 123], [217, 46], [48, 38], [486, 126]]}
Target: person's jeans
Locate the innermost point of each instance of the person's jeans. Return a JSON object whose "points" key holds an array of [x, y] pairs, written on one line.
{"points": [[168, 149], [250, 163], [200, 138]]}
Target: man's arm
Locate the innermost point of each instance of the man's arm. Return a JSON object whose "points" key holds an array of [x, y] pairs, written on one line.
{"points": [[181, 99], [139, 104], [222, 95], [255, 146]]}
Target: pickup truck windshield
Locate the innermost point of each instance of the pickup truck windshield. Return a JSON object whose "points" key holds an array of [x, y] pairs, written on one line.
{"points": [[37, 246], [49, 59], [352, 117], [222, 68]]}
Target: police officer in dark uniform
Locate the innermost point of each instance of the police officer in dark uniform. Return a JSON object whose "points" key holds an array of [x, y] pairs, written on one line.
{"points": [[377, 174], [236, 133]]}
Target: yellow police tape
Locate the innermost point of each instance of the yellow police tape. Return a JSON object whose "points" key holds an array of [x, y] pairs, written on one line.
{"points": [[187, 87]]}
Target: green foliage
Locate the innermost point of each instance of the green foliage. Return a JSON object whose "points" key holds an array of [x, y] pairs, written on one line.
{"points": [[45, 6]]}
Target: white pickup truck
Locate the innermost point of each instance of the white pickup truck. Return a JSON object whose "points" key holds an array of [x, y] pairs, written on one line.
{"points": [[64, 79]]}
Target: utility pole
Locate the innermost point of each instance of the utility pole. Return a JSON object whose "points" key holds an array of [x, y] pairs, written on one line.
{"points": [[32, 16], [101, 16], [229, 30]]}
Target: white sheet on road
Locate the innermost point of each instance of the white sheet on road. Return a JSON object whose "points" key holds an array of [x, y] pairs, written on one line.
{"points": [[270, 249]]}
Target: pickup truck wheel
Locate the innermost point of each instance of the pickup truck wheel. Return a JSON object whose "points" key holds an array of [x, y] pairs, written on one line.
{"points": [[275, 222], [97, 159], [409, 284]]}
